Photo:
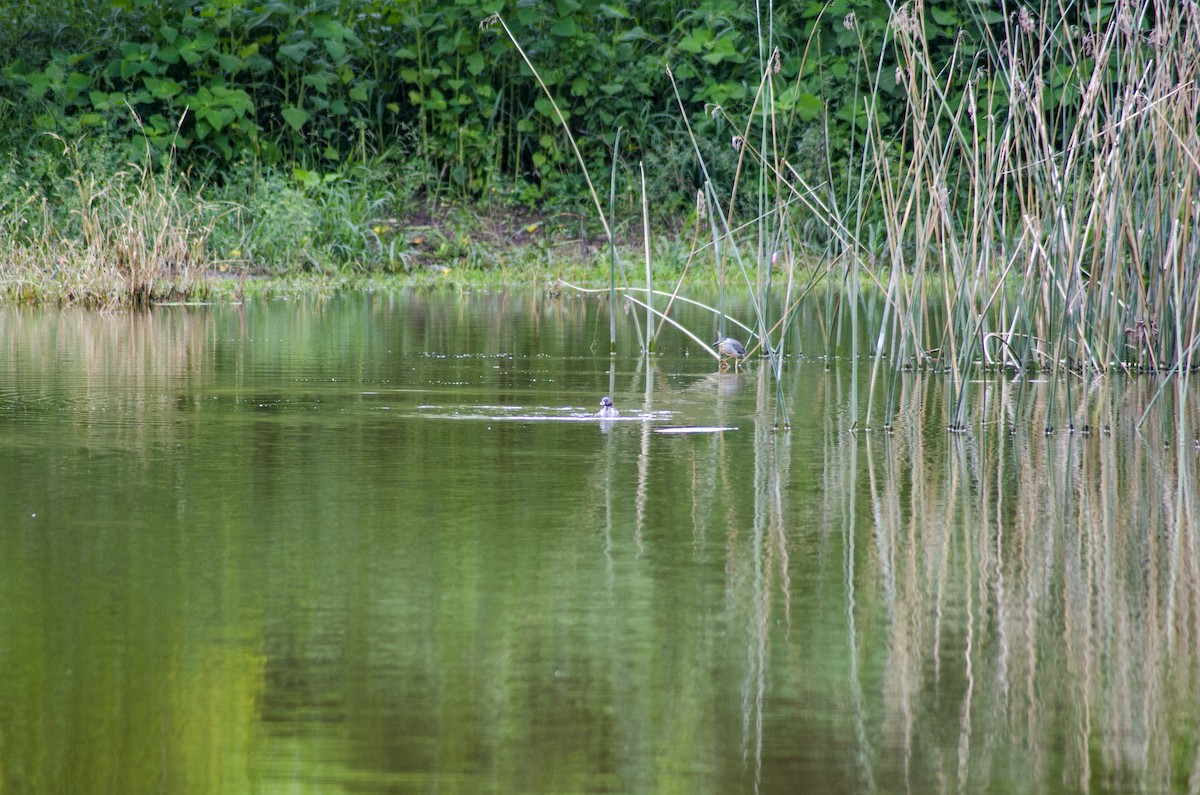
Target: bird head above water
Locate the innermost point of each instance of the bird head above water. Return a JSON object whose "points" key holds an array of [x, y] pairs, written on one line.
{"points": [[607, 409]]}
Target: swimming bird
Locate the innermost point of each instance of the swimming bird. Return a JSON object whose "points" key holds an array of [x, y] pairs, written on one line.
{"points": [[607, 409], [729, 348]]}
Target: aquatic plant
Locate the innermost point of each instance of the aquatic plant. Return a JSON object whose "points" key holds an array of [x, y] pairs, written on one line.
{"points": [[1034, 209], [1047, 207], [122, 239]]}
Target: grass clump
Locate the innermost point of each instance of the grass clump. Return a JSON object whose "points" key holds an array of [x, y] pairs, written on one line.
{"points": [[101, 237]]}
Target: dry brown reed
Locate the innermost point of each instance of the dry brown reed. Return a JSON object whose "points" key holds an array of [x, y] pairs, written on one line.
{"points": [[137, 236], [1038, 210]]}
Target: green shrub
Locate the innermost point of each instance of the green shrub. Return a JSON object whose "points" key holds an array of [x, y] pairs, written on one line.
{"points": [[218, 81], [324, 84]]}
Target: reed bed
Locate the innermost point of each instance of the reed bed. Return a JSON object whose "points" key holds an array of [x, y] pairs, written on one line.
{"points": [[1035, 210], [132, 238], [1056, 235], [1030, 226]]}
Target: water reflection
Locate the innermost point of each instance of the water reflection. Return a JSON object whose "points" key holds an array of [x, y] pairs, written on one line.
{"points": [[1041, 599], [383, 542]]}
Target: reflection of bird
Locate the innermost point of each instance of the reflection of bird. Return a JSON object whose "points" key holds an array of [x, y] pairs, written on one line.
{"points": [[607, 409], [729, 348]]}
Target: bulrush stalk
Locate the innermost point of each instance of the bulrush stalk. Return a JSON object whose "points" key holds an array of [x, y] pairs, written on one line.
{"points": [[1026, 198]]}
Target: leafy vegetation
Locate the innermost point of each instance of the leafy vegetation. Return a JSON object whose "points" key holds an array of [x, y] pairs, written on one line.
{"points": [[325, 84]]}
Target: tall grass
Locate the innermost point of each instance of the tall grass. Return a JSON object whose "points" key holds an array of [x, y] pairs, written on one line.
{"points": [[1055, 234], [132, 237], [1036, 208]]}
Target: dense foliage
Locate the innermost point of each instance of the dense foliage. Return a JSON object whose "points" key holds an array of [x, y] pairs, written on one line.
{"points": [[322, 83], [320, 121]]}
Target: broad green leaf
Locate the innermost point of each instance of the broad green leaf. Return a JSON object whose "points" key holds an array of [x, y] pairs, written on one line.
{"points": [[218, 117], [696, 41], [38, 85], [238, 99], [78, 81], [258, 64], [318, 81], [297, 52], [230, 63], [162, 88], [188, 53], [723, 49], [336, 50], [295, 117], [943, 17], [205, 40], [809, 107], [309, 179]]}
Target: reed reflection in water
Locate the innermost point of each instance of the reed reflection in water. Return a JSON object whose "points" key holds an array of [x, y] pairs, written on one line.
{"points": [[1034, 599]]}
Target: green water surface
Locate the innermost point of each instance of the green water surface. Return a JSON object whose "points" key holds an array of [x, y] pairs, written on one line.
{"points": [[381, 543]]}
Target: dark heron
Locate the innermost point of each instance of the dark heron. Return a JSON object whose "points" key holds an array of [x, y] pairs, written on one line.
{"points": [[729, 348], [607, 409]]}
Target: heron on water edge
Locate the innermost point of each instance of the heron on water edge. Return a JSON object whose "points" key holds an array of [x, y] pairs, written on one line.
{"points": [[729, 348]]}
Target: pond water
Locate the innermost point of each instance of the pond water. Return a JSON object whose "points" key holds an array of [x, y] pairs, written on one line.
{"points": [[380, 543]]}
